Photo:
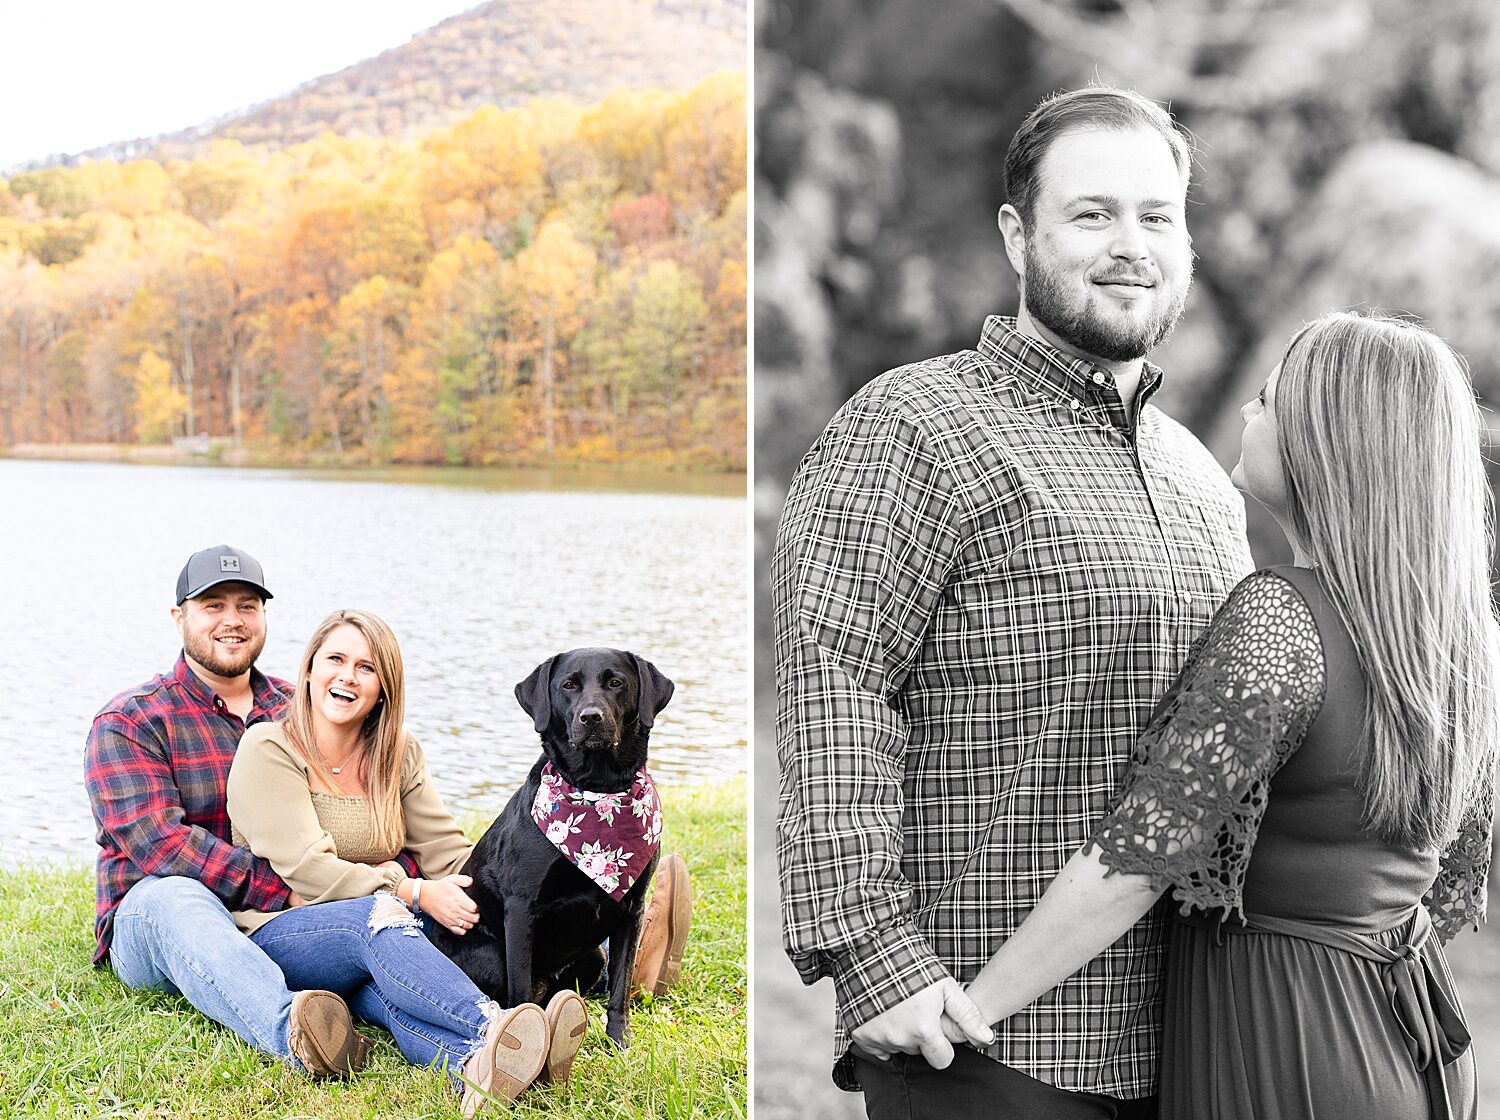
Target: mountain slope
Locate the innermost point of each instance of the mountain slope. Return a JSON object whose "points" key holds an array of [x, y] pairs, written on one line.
{"points": [[504, 53]]}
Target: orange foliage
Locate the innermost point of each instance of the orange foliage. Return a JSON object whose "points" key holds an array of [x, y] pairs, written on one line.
{"points": [[638, 222], [536, 285]]}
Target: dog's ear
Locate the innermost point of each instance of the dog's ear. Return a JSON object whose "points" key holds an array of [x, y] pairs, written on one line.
{"points": [[535, 695], [656, 690]]}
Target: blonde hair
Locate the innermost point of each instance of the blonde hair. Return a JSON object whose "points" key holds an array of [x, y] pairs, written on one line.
{"points": [[382, 741], [1380, 446]]}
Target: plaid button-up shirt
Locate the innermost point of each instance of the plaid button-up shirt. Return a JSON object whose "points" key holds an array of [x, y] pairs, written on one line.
{"points": [[986, 575], [157, 760]]}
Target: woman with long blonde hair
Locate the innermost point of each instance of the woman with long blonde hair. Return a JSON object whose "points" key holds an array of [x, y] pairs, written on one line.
{"points": [[1316, 789], [330, 796]]}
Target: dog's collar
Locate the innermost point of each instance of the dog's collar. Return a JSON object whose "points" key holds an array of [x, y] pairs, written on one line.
{"points": [[610, 837]]}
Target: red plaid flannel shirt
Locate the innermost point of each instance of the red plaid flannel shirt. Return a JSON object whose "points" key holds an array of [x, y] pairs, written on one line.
{"points": [[157, 760]]}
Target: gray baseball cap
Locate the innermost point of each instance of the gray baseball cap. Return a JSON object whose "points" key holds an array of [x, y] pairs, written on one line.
{"points": [[220, 564]]}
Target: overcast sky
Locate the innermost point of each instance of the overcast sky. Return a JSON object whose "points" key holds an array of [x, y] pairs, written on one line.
{"points": [[75, 74]]}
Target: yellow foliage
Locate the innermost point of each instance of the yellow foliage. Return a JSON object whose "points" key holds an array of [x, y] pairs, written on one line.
{"points": [[555, 273], [704, 156], [133, 189], [625, 131], [159, 405], [488, 161]]}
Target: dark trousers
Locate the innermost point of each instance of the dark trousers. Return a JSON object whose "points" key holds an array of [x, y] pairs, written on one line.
{"points": [[978, 1088]]}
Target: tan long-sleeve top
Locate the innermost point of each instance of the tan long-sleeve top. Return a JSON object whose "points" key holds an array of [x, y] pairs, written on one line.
{"points": [[321, 844]]}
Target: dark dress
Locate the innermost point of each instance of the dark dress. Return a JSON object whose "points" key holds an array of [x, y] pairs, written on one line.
{"points": [[1304, 976]]}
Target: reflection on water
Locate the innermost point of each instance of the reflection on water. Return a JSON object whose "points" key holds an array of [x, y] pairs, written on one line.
{"points": [[481, 574]]}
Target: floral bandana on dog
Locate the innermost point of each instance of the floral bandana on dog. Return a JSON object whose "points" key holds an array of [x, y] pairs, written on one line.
{"points": [[610, 837]]}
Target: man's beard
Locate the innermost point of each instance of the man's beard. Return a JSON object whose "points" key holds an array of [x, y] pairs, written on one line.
{"points": [[207, 652], [1079, 320]]}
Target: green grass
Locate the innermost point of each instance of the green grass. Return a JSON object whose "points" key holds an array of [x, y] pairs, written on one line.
{"points": [[74, 1042]]}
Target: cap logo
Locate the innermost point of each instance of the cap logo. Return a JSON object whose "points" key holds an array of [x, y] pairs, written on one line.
{"points": [[229, 563]]}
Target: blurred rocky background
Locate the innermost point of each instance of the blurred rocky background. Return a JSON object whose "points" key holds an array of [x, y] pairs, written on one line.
{"points": [[1349, 155]]}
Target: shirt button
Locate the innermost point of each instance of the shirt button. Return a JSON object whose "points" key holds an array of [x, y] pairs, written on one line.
{"points": [[1098, 378], [1074, 404], [1186, 598]]}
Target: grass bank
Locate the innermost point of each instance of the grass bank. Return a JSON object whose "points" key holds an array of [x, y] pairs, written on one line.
{"points": [[75, 1042]]}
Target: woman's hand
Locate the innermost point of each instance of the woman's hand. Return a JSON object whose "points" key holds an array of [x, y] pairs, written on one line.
{"points": [[446, 901], [955, 1033]]}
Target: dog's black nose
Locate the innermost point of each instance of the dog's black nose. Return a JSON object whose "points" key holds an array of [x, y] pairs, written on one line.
{"points": [[590, 716]]}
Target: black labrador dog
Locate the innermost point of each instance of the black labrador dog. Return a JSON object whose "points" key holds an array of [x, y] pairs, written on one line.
{"points": [[541, 919]]}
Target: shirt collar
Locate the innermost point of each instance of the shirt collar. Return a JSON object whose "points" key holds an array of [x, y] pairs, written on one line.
{"points": [[1048, 370], [267, 695]]}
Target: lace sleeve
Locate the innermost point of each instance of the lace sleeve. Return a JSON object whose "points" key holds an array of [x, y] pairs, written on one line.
{"points": [[1457, 897], [1191, 804]]}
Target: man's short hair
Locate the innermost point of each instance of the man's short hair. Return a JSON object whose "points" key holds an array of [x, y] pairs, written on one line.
{"points": [[1092, 107]]}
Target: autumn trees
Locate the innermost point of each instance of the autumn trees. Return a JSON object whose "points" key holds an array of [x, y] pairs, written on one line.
{"points": [[551, 284]]}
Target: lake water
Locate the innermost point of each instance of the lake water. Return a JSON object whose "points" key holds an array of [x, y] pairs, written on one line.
{"points": [[481, 574]]}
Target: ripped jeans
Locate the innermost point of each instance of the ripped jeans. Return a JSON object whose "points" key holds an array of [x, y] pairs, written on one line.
{"points": [[373, 952]]}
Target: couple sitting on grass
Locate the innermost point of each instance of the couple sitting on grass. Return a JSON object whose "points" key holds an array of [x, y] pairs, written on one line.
{"points": [[280, 949]]}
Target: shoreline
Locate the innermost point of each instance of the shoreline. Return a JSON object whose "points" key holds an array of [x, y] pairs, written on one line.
{"points": [[627, 478], [219, 453]]}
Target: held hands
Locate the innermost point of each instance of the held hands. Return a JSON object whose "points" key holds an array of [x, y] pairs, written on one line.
{"points": [[446, 901], [929, 1023], [956, 1034]]}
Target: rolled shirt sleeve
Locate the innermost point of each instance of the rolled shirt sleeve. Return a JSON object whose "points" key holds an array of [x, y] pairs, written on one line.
{"points": [[861, 559]]}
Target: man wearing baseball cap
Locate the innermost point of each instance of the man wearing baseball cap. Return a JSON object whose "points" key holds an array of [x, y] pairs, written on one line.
{"points": [[168, 876]]}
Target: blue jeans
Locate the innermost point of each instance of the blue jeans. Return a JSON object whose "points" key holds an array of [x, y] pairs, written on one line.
{"points": [[373, 952], [174, 935]]}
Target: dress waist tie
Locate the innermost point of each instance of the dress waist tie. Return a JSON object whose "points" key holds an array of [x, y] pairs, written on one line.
{"points": [[1434, 1029]]}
